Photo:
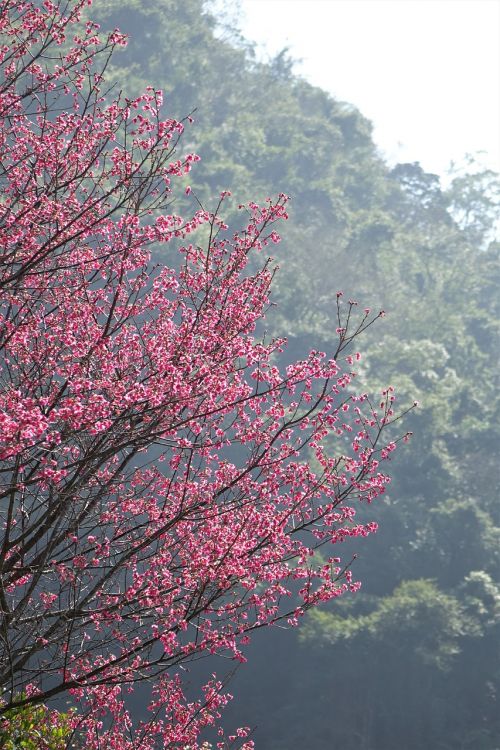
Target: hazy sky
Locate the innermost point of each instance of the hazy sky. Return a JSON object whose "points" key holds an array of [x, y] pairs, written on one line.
{"points": [[426, 72]]}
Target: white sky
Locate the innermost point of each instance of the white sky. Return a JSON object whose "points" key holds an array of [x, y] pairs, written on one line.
{"points": [[425, 72]]}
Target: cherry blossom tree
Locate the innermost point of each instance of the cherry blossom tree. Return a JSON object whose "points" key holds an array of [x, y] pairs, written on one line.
{"points": [[164, 482]]}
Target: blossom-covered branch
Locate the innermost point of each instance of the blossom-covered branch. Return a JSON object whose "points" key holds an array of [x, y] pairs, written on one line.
{"points": [[164, 483]]}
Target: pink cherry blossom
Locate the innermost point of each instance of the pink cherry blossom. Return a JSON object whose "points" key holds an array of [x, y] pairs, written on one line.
{"points": [[165, 480]]}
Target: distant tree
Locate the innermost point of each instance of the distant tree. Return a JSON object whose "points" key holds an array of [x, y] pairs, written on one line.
{"points": [[164, 483]]}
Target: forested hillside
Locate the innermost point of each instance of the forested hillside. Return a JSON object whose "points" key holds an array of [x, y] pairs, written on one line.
{"points": [[411, 661]]}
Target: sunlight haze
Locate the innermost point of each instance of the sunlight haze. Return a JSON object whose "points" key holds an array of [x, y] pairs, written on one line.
{"points": [[425, 72]]}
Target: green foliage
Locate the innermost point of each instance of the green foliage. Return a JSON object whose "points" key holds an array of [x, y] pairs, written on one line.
{"points": [[35, 728], [416, 622]]}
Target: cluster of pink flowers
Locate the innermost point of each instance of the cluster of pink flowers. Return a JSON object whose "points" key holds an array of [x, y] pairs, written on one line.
{"points": [[165, 483]]}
